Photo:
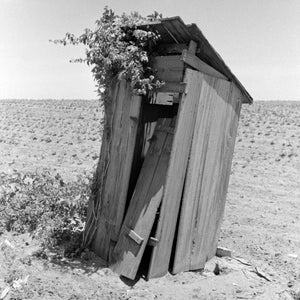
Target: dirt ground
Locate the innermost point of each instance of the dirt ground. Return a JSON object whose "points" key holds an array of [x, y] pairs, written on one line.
{"points": [[261, 223]]}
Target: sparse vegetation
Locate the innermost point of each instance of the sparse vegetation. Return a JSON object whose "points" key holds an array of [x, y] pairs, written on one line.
{"points": [[45, 206], [261, 222]]}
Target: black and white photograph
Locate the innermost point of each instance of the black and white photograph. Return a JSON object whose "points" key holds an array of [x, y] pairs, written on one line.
{"points": [[149, 149]]}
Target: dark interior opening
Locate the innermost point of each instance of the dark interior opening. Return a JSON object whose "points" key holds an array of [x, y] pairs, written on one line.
{"points": [[150, 113]]}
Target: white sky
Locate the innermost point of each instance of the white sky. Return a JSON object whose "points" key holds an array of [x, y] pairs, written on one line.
{"points": [[258, 39]]}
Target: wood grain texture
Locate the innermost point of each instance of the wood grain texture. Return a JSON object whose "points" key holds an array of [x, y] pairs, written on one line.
{"points": [[210, 178], [231, 126], [160, 258], [208, 174], [196, 63], [194, 172], [172, 87], [124, 130], [168, 68], [144, 203]]}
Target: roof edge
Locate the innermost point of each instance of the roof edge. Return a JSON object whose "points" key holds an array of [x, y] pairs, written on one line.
{"points": [[175, 29]]}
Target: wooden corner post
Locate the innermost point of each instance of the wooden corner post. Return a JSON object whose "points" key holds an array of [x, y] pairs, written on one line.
{"points": [[107, 206]]}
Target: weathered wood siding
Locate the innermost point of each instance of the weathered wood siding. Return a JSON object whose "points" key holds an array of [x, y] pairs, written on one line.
{"points": [[143, 206], [126, 111], [188, 169], [161, 254], [168, 68], [208, 174]]}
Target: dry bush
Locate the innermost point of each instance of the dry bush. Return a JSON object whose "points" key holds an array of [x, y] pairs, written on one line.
{"points": [[47, 207]]}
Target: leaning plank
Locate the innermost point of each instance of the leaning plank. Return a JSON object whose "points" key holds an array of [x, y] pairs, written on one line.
{"points": [[126, 151], [230, 130], [203, 180], [141, 213], [210, 199], [115, 186], [207, 179], [175, 177], [194, 177], [195, 62]]}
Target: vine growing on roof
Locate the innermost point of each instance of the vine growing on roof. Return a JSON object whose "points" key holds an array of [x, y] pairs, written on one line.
{"points": [[118, 48]]}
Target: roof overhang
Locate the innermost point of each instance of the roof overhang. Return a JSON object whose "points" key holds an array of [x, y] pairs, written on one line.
{"points": [[174, 30]]}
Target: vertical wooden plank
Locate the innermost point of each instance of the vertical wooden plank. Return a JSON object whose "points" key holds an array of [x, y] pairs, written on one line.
{"points": [[160, 258], [129, 129], [124, 130], [208, 175], [194, 178], [145, 201], [211, 177], [231, 126], [192, 47]]}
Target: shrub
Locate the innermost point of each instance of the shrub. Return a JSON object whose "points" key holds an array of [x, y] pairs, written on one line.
{"points": [[119, 47], [45, 206]]}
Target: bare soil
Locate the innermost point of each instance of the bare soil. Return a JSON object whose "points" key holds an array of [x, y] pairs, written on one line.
{"points": [[261, 222]]}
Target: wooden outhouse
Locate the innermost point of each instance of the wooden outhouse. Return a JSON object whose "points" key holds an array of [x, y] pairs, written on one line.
{"points": [[170, 157]]}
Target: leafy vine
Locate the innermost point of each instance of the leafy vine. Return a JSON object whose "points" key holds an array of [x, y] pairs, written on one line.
{"points": [[117, 47]]}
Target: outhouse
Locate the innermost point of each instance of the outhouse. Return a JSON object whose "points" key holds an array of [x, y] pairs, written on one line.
{"points": [[170, 157]]}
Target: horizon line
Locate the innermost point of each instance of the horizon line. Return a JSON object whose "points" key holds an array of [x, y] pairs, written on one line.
{"points": [[97, 99]]}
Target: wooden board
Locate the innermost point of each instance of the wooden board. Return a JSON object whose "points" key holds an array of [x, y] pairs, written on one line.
{"points": [[208, 173], [124, 130], [160, 258], [189, 203], [163, 98], [211, 202], [144, 203], [172, 87], [196, 63], [168, 68], [231, 126]]}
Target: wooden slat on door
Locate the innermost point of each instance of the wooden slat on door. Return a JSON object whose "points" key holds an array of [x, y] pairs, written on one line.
{"points": [[160, 258], [143, 206]]}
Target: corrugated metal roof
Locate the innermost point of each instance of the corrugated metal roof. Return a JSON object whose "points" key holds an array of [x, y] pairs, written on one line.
{"points": [[174, 30]]}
